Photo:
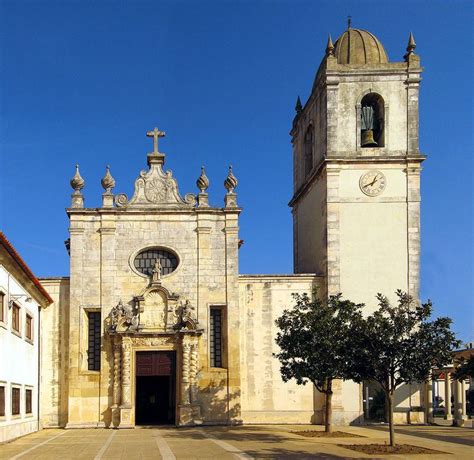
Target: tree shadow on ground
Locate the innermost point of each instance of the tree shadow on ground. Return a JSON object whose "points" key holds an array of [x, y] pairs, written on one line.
{"points": [[447, 434], [271, 443]]}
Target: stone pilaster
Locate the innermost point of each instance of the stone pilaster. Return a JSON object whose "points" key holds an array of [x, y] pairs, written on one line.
{"points": [[332, 115], [413, 222], [185, 400], [193, 370], [413, 88], [333, 232], [232, 360], [107, 292], [76, 232], [117, 383], [126, 405]]}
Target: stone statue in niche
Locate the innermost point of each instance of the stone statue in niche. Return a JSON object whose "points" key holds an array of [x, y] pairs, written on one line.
{"points": [[156, 272], [186, 316], [123, 318]]}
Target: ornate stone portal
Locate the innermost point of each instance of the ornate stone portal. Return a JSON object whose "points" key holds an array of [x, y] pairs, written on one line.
{"points": [[154, 320]]}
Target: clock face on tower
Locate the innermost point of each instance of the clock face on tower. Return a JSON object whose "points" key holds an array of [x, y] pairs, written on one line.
{"points": [[372, 183]]}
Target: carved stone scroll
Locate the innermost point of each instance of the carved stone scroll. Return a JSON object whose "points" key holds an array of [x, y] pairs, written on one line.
{"points": [[156, 188]]}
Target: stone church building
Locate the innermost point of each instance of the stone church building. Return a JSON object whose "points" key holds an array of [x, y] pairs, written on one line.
{"points": [[155, 324]]}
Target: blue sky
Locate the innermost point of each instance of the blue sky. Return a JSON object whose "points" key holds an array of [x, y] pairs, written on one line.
{"points": [[83, 81]]}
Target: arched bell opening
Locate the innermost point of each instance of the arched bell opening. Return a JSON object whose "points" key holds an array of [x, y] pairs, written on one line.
{"points": [[372, 117]]}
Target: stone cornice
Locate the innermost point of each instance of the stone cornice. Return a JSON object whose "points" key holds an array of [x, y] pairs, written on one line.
{"points": [[303, 277], [150, 211]]}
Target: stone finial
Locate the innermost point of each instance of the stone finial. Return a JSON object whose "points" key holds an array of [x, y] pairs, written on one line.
{"points": [[298, 106], [202, 182], [410, 55], [108, 182], [349, 22], [230, 184], [77, 183], [329, 47], [231, 181], [411, 44]]}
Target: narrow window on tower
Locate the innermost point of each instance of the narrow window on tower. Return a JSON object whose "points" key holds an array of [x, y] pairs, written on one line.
{"points": [[308, 151], [216, 336], [372, 121], [93, 348]]}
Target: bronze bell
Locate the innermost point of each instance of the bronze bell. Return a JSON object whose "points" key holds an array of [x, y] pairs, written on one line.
{"points": [[368, 138]]}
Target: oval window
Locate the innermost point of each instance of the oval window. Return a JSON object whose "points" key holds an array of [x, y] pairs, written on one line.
{"points": [[146, 260]]}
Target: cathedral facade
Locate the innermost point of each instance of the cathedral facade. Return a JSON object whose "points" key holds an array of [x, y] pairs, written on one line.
{"points": [[156, 325]]}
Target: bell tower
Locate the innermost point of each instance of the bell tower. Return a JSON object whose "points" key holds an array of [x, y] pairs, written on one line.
{"points": [[356, 202], [356, 169]]}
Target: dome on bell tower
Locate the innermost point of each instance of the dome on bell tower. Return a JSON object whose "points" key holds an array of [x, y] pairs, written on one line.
{"points": [[356, 46]]}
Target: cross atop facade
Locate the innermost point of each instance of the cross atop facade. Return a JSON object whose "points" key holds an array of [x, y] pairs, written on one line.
{"points": [[155, 134]]}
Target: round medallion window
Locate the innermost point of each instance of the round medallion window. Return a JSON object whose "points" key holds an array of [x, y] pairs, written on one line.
{"points": [[145, 261]]}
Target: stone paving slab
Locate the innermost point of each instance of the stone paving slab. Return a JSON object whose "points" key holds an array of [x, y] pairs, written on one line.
{"points": [[242, 442]]}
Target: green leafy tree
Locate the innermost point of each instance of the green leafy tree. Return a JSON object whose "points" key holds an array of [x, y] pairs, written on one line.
{"points": [[314, 340], [464, 369], [399, 345]]}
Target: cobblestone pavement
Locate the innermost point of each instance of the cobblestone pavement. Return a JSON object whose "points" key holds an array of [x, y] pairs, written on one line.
{"points": [[243, 442]]}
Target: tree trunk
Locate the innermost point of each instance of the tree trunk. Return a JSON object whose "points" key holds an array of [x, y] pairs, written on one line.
{"points": [[390, 416], [328, 417]]}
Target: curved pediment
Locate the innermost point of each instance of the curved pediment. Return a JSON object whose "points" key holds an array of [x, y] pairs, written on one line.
{"points": [[156, 188]]}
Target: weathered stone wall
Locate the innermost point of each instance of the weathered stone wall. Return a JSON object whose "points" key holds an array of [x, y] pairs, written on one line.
{"points": [[265, 397], [103, 246], [54, 354]]}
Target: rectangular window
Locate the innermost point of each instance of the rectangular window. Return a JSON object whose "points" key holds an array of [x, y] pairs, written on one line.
{"points": [[2, 306], [15, 401], [28, 401], [215, 336], [29, 327], [2, 401], [16, 317], [93, 352]]}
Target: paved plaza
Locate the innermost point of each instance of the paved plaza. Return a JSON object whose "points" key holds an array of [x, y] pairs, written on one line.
{"points": [[242, 442]]}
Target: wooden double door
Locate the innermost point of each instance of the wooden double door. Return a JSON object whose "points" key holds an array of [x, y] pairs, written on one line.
{"points": [[155, 388]]}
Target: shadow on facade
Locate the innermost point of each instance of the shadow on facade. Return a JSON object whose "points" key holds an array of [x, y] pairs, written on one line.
{"points": [[220, 405]]}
